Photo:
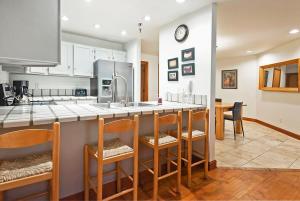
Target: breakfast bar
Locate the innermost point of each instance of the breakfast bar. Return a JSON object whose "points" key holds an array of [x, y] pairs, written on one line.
{"points": [[78, 127]]}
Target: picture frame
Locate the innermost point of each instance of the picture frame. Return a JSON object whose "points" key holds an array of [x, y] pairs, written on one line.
{"points": [[173, 63], [188, 69], [172, 75], [188, 54], [230, 79]]}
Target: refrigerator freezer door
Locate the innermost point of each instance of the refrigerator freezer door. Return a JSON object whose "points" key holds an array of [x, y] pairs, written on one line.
{"points": [[125, 70], [103, 72]]}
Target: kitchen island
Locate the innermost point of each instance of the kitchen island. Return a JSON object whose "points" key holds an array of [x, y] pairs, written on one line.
{"points": [[78, 127]]}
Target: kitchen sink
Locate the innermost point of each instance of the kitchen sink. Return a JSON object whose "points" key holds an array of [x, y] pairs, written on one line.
{"points": [[139, 104], [120, 105]]}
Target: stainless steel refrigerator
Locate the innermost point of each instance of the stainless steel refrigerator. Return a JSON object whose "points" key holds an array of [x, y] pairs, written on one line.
{"points": [[101, 83]]}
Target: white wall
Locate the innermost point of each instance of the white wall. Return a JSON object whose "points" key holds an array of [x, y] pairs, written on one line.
{"points": [[202, 37], [3, 76], [153, 75], [247, 82], [278, 108], [134, 54]]}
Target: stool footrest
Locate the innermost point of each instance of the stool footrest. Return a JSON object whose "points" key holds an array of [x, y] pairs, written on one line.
{"points": [[198, 163], [146, 167], [125, 173], [167, 175], [118, 194]]}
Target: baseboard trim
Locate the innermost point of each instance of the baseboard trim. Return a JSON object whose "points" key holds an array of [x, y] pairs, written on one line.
{"points": [[286, 132], [212, 165]]}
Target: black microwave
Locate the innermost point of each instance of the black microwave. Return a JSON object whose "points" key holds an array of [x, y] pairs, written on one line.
{"points": [[80, 92]]}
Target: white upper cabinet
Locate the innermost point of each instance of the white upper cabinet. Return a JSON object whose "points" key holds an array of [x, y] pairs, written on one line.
{"points": [[111, 55], [66, 67], [83, 60], [119, 56], [104, 54]]}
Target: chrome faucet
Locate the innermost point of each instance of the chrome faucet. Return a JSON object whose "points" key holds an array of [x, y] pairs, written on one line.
{"points": [[115, 92]]}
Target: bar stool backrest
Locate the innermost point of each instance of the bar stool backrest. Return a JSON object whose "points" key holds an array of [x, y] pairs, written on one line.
{"points": [[166, 120], [30, 137], [118, 126], [198, 116]]}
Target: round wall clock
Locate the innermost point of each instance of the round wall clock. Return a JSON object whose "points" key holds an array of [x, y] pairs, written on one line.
{"points": [[181, 33]]}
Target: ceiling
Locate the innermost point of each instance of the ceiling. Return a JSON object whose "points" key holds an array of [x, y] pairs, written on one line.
{"points": [[116, 15], [255, 25], [242, 25]]}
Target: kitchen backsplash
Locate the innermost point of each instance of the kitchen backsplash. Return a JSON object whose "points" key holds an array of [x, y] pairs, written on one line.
{"points": [[53, 92], [52, 82]]}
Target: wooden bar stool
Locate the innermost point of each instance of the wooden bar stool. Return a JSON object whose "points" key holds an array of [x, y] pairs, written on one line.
{"points": [[33, 168], [190, 135], [112, 151], [160, 141]]}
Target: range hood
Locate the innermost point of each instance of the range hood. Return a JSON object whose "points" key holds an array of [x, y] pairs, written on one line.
{"points": [[30, 33]]}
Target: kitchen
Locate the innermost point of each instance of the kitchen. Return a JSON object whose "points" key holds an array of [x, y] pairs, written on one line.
{"points": [[78, 79]]}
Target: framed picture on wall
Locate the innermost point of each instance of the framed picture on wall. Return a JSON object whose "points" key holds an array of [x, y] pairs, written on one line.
{"points": [[172, 75], [173, 63], [188, 69], [188, 54], [229, 79]]}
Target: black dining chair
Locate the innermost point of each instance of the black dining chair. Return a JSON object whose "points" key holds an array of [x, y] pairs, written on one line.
{"points": [[236, 116], [218, 100]]}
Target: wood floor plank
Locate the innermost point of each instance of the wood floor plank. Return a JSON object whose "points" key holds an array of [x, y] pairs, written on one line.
{"points": [[224, 184]]}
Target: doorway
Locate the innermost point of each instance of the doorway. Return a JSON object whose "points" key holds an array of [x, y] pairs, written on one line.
{"points": [[144, 80]]}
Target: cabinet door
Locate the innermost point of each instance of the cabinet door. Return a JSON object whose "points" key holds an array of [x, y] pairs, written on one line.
{"points": [[66, 66], [119, 56], [83, 60], [104, 54], [37, 70]]}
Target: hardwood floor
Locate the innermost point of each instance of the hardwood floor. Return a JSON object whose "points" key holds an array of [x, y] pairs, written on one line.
{"points": [[223, 184]]}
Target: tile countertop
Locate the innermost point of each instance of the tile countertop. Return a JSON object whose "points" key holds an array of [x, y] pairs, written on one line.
{"points": [[29, 115]]}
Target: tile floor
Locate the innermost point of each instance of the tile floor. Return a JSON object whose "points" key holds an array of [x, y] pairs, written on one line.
{"points": [[261, 148]]}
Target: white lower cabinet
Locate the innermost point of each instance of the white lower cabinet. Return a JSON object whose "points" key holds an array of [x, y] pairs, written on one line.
{"points": [[83, 60], [66, 67]]}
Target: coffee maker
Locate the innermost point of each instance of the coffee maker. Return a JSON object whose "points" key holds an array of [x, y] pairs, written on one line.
{"points": [[7, 97], [21, 90]]}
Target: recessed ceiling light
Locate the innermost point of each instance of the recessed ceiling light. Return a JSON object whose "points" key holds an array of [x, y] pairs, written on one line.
{"points": [[294, 31], [65, 18], [97, 26], [88, 0], [147, 18], [124, 32], [249, 51], [180, 1]]}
